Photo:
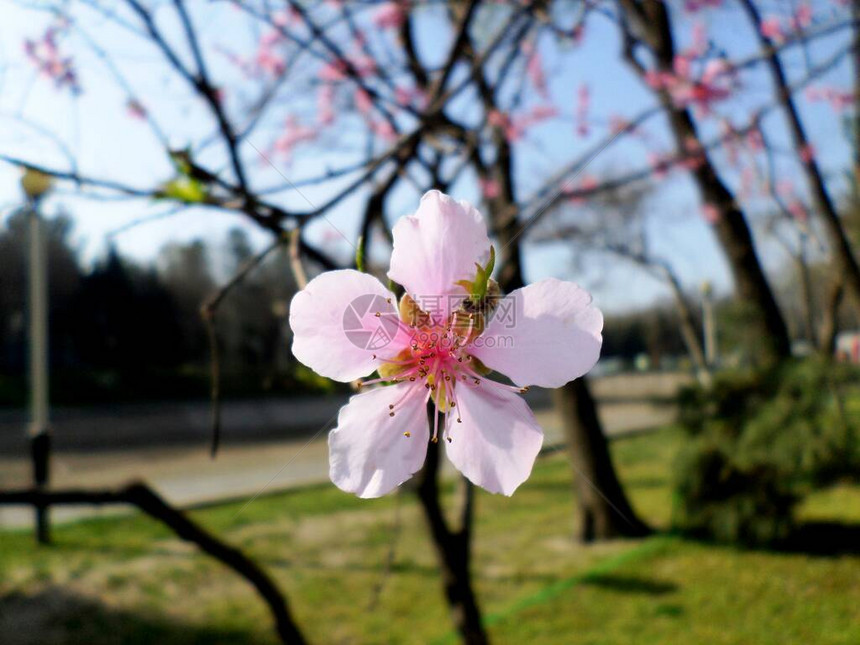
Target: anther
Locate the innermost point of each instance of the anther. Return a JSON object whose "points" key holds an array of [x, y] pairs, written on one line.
{"points": [[407, 434], [378, 315], [391, 414], [477, 381], [390, 406], [411, 378], [449, 439], [435, 439]]}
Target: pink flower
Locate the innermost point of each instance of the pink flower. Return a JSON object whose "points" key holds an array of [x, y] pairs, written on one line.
{"points": [[363, 102], [294, 134], [390, 15], [439, 344], [325, 105], [513, 131], [840, 100], [755, 140], [383, 129], [797, 209], [771, 28], [660, 165], [579, 195], [45, 55], [490, 188], [693, 6], [711, 213], [534, 68], [802, 17], [583, 101], [135, 109]]}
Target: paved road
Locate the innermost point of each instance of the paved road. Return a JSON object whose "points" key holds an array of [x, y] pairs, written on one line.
{"points": [[268, 446]]}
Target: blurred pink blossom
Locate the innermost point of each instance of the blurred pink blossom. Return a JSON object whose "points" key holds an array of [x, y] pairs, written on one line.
{"points": [[802, 17], [583, 100], [490, 188], [294, 134], [807, 153], [840, 100], [771, 28], [711, 213], [390, 15], [692, 6], [135, 109], [44, 53]]}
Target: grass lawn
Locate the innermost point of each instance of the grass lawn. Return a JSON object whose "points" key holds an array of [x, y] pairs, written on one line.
{"points": [[127, 580]]}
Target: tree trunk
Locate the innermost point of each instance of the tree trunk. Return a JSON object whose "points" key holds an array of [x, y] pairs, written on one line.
{"points": [[576, 407], [843, 255], [574, 401], [453, 551], [603, 507], [830, 318], [652, 18], [807, 301]]}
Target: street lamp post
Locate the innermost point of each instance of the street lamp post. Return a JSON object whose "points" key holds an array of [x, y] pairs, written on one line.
{"points": [[36, 186]]}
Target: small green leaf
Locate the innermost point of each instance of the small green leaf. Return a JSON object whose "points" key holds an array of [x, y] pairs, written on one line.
{"points": [[185, 189]]}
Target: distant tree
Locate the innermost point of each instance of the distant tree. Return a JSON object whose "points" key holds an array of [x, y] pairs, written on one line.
{"points": [[186, 272], [125, 320]]}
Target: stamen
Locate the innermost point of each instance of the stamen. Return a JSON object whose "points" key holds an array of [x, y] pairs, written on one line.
{"points": [[477, 379]]}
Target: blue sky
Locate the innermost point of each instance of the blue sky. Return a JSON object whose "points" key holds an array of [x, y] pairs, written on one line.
{"points": [[106, 142]]}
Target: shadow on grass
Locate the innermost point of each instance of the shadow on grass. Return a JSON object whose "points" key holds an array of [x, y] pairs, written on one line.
{"points": [[823, 538], [60, 617], [630, 584]]}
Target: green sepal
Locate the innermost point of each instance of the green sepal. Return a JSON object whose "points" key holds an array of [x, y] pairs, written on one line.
{"points": [[482, 277], [359, 255]]}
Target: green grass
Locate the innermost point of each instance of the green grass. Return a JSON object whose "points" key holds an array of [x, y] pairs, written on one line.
{"points": [[128, 580]]}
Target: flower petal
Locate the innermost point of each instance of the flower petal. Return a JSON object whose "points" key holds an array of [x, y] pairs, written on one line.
{"points": [[499, 439], [336, 331], [545, 334], [369, 454], [437, 247]]}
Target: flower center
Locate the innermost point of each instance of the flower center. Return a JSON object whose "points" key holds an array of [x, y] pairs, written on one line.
{"points": [[438, 360]]}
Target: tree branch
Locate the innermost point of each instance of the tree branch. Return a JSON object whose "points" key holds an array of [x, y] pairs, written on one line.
{"points": [[149, 502]]}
